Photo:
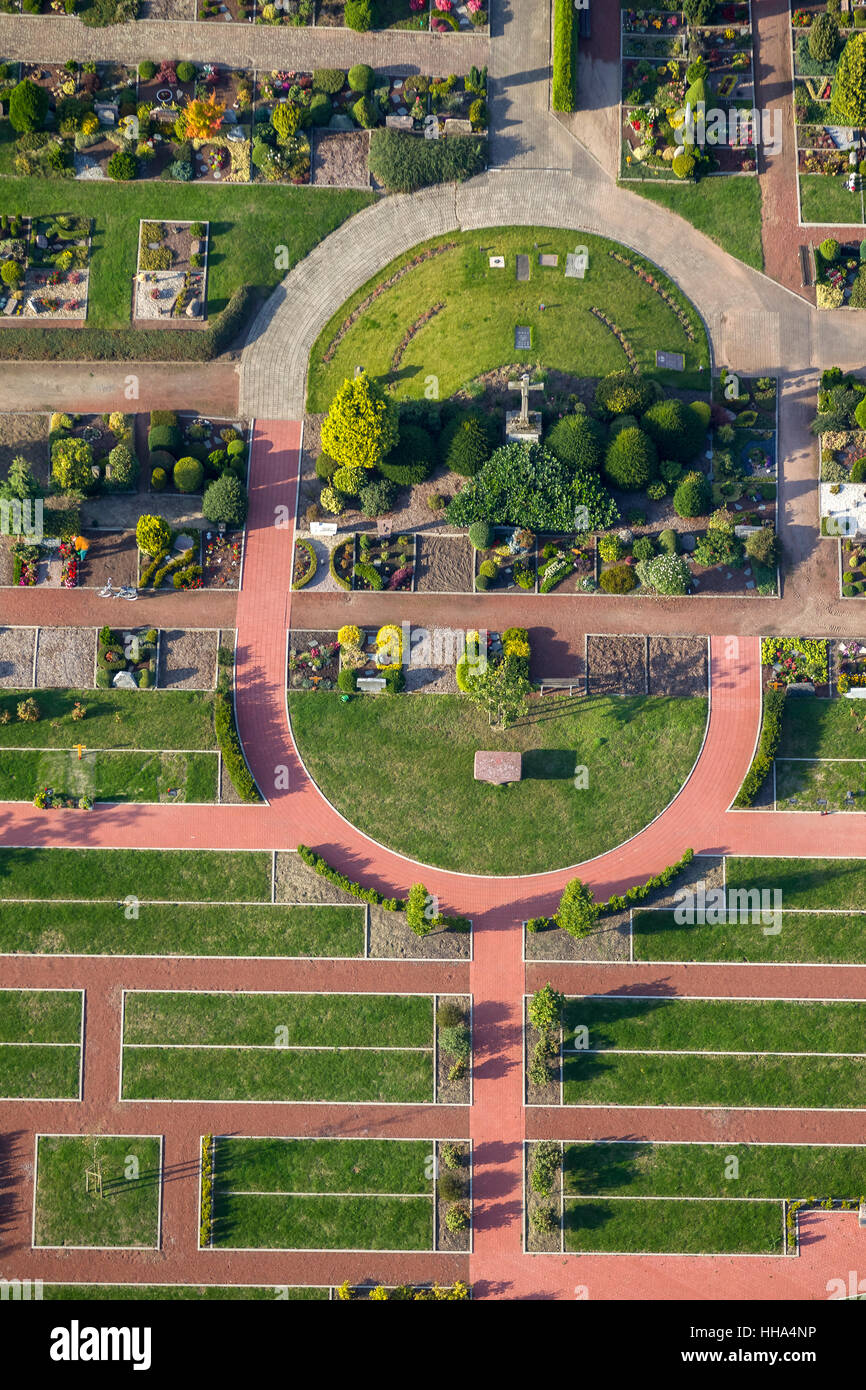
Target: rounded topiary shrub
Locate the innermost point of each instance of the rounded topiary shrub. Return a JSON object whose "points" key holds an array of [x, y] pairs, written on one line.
{"points": [[858, 471], [122, 166], [28, 106], [153, 535], [185, 71], [160, 459], [643, 548], [361, 77], [188, 474], [225, 500], [164, 438], [366, 112], [467, 446], [692, 497], [481, 535], [577, 440], [676, 430], [146, 70], [683, 164], [668, 541], [488, 569], [326, 467], [320, 108], [481, 582], [829, 249], [619, 579], [623, 393], [630, 461], [158, 479]]}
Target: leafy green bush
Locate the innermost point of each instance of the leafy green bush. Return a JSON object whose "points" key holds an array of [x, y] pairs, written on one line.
{"points": [[623, 393], [230, 746], [546, 1160], [481, 535], [153, 535], [165, 438], [377, 496], [848, 99], [188, 474], [762, 763], [366, 112], [564, 56], [467, 446], [122, 166], [330, 80], [675, 429], [619, 579], [525, 485], [643, 548], [361, 77], [411, 461], [226, 500], [631, 459], [666, 574], [403, 162], [28, 106], [158, 479], [692, 497]]}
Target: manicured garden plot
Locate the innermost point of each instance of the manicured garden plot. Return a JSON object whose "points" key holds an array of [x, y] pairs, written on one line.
{"points": [[127, 1212], [185, 1293], [668, 1227], [814, 785], [639, 753], [170, 279], [91, 875], [298, 1047], [180, 929], [821, 937], [474, 333], [804, 883], [112, 719], [109, 775], [40, 1043], [817, 728], [825, 200], [655, 1051], [367, 1194]]}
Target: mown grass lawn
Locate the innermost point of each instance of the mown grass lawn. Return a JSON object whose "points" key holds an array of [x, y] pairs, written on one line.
{"points": [[127, 1213], [189, 1293], [718, 1025], [40, 1015], [322, 1223], [40, 1043], [112, 775], [474, 331], [728, 211], [113, 874], [816, 784], [401, 770], [677, 1228], [277, 1074], [114, 719], [247, 226], [815, 728], [310, 1020], [46, 1073], [825, 200], [614, 1078], [699, 1170], [812, 883], [819, 937], [173, 930], [323, 1165]]}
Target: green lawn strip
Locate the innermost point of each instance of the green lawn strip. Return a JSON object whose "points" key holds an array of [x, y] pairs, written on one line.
{"points": [[474, 332], [699, 1170], [827, 781], [806, 937], [114, 719], [128, 1211], [616, 1078], [323, 1223], [813, 883], [247, 226], [117, 776], [323, 1165], [719, 1025], [685, 1228], [816, 728], [189, 1293], [728, 211], [639, 751], [327, 1020], [166, 929], [189, 1073], [40, 1015], [826, 200], [188, 874], [48, 1073]]}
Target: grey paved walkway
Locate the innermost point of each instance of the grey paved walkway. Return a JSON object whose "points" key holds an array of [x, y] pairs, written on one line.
{"points": [[524, 134], [264, 46]]}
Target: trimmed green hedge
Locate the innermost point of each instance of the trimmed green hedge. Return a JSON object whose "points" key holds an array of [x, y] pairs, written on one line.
{"points": [[564, 57], [368, 895], [638, 891], [230, 747], [404, 162], [762, 763]]}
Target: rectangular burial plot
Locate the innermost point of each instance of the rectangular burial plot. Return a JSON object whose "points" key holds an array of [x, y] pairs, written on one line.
{"points": [[188, 658], [811, 784], [112, 557], [323, 1194], [445, 565], [360, 1048], [40, 1043], [170, 287], [677, 666], [714, 1052], [16, 657], [25, 435], [340, 158], [65, 657], [127, 1213], [616, 665], [111, 775], [181, 929], [56, 283]]}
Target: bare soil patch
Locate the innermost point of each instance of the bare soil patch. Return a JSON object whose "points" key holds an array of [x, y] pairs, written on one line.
{"points": [[616, 665], [457, 1090], [16, 657], [112, 556], [391, 938], [187, 658], [677, 666], [27, 435], [65, 657], [340, 158], [443, 565]]}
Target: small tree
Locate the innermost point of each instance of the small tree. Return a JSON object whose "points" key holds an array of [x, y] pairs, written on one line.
{"points": [[419, 914], [153, 535], [124, 465], [226, 500], [28, 106], [692, 497], [823, 38], [11, 273], [122, 166], [631, 459], [501, 691], [285, 119], [469, 447], [71, 464], [545, 1008], [361, 427], [21, 481], [202, 118], [763, 547], [577, 440], [578, 911]]}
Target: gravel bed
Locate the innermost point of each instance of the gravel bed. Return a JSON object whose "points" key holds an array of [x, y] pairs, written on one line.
{"points": [[444, 565], [340, 159], [187, 658], [65, 657], [16, 657], [616, 665]]}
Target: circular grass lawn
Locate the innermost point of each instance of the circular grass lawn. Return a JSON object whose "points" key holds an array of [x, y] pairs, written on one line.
{"points": [[401, 769], [477, 308]]}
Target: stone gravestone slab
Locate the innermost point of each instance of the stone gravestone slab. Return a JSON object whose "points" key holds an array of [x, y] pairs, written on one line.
{"points": [[124, 680], [523, 267], [496, 262], [184, 542], [548, 260], [371, 685], [399, 122], [523, 339], [575, 267], [746, 531], [674, 361], [456, 126]]}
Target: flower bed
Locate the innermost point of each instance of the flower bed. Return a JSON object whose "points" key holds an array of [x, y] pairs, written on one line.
{"points": [[795, 660], [53, 258], [221, 560], [383, 563], [305, 563], [132, 653], [853, 559], [509, 565], [171, 274], [314, 661]]}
